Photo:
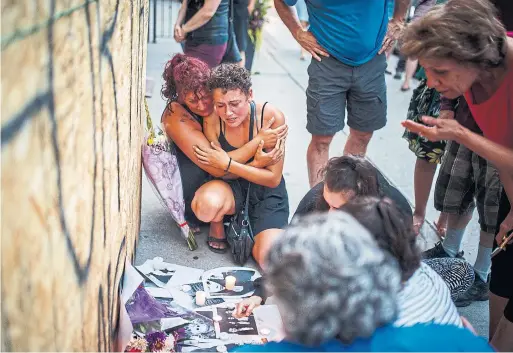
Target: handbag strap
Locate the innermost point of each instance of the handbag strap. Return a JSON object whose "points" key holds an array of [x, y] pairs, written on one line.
{"points": [[230, 16], [252, 121]]}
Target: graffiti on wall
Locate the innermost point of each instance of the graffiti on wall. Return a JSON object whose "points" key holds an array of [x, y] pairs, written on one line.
{"points": [[73, 86]]}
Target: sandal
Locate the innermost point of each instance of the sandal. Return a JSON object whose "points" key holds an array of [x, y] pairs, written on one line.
{"points": [[211, 239]]}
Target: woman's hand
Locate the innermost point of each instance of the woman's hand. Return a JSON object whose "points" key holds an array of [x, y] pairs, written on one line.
{"points": [[246, 307], [437, 129], [179, 33], [264, 159], [271, 136], [504, 229], [215, 157]]}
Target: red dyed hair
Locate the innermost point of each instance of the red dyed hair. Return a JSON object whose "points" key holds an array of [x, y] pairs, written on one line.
{"points": [[184, 74]]}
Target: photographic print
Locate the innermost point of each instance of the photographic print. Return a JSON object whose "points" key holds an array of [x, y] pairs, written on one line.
{"points": [[214, 281], [244, 327]]}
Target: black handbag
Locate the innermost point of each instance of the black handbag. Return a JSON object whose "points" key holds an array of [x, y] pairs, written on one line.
{"points": [[240, 235], [232, 53]]}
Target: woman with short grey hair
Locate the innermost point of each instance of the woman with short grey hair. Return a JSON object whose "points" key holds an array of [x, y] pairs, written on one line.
{"points": [[337, 290], [337, 283]]}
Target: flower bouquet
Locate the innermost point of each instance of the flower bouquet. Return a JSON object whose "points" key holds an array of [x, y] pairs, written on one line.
{"points": [[161, 167], [256, 22]]}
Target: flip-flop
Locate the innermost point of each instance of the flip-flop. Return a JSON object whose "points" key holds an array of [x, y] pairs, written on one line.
{"points": [[211, 239], [404, 89]]}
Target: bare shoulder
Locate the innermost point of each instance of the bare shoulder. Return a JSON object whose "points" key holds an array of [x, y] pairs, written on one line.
{"points": [[175, 115], [271, 111]]}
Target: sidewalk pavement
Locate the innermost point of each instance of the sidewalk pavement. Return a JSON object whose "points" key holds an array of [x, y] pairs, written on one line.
{"points": [[281, 78]]}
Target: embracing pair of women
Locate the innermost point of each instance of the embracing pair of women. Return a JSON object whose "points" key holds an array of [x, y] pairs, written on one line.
{"points": [[224, 142]]}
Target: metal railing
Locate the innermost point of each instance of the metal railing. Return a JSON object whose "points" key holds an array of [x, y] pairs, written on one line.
{"points": [[161, 18]]}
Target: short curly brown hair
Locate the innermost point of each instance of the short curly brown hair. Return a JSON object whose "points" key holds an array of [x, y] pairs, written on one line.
{"points": [[230, 77], [467, 31]]}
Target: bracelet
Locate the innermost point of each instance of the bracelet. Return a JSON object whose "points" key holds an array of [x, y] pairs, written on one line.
{"points": [[229, 164]]}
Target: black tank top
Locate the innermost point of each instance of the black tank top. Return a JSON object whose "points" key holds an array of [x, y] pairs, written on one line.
{"points": [[225, 145]]}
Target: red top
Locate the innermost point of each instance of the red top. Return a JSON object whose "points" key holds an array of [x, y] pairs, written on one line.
{"points": [[495, 115]]}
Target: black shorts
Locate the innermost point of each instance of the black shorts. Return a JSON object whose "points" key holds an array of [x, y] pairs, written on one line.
{"points": [[268, 207], [501, 282]]}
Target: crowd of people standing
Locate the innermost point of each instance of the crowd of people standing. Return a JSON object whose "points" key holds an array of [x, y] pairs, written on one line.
{"points": [[231, 152]]}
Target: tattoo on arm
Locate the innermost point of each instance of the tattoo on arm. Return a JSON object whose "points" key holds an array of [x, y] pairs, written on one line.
{"points": [[185, 118]]}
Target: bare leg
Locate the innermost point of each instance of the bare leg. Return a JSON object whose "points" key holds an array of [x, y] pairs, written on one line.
{"points": [[502, 340], [357, 142], [411, 67], [317, 157], [263, 242], [497, 305], [211, 202], [422, 181]]}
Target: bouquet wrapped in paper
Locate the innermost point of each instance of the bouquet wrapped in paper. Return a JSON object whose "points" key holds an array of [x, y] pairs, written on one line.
{"points": [[161, 167]]}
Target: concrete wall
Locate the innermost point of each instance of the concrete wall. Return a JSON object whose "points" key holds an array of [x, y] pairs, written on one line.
{"points": [[73, 77]]}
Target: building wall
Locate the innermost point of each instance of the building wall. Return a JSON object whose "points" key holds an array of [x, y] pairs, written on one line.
{"points": [[73, 82]]}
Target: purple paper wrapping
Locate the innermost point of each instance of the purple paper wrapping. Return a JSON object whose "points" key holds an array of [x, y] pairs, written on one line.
{"points": [[161, 167]]}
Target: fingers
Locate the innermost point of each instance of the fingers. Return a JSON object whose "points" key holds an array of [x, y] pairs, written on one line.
{"points": [[260, 148], [199, 151], [387, 43], [216, 146], [282, 131], [429, 120], [314, 55], [240, 310], [320, 50], [249, 309], [468, 325], [270, 123], [415, 127]]}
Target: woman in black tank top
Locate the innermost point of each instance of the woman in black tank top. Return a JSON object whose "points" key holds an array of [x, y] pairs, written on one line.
{"points": [[239, 120], [189, 102]]}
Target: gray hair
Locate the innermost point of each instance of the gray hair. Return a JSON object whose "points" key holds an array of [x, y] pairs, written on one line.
{"points": [[330, 279], [467, 31]]}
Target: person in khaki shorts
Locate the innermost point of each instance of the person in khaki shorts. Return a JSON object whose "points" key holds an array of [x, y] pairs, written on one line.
{"points": [[347, 40]]}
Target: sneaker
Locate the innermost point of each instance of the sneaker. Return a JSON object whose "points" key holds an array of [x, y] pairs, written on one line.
{"points": [[478, 292], [438, 251]]}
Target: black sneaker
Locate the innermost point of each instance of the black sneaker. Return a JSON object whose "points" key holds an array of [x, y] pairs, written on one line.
{"points": [[437, 252], [477, 292]]}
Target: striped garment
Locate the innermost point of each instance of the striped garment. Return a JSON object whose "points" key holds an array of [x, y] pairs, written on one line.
{"points": [[425, 298]]}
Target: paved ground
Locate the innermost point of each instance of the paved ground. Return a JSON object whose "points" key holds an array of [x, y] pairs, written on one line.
{"points": [[281, 78]]}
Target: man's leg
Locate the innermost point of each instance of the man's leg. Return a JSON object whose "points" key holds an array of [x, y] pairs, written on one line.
{"points": [[366, 104], [454, 195], [317, 157], [357, 142], [328, 82], [488, 189]]}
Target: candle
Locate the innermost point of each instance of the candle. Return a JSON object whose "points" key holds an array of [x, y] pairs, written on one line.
{"points": [[200, 298], [229, 282]]}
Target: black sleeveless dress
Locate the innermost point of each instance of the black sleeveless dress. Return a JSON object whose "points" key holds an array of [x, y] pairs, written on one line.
{"points": [[268, 207], [192, 177]]}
